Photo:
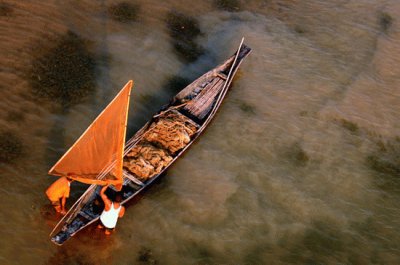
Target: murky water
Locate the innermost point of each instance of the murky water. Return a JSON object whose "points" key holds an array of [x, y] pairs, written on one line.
{"points": [[300, 166]]}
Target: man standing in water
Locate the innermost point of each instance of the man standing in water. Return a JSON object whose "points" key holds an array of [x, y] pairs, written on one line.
{"points": [[58, 192], [112, 210]]}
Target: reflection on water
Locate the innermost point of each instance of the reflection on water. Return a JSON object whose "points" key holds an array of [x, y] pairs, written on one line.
{"points": [[300, 166]]}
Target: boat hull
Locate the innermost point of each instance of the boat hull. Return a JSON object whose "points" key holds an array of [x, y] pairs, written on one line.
{"points": [[198, 103]]}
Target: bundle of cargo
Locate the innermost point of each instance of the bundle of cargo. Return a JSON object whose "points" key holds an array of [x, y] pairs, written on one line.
{"points": [[172, 131], [146, 161]]}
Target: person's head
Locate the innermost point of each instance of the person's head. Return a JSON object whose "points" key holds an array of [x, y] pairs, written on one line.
{"points": [[118, 198]]}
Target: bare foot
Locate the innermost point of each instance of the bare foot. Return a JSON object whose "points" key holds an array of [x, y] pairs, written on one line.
{"points": [[107, 232], [99, 226], [63, 212]]}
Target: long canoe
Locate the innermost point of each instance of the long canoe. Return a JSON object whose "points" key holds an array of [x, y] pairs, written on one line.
{"points": [[193, 106]]}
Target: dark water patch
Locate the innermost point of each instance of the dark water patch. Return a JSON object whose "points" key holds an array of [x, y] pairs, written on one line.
{"points": [[228, 5], [304, 113], [297, 155], [202, 253], [378, 236], [6, 9], [183, 30], [175, 83], [247, 108], [385, 21], [255, 255], [188, 50], [256, 250], [368, 229], [66, 73], [182, 26], [171, 87], [145, 256], [385, 161], [297, 257], [323, 238], [318, 243], [66, 257], [15, 116], [235, 200], [11, 147], [146, 98], [350, 126], [299, 29], [153, 102], [124, 12], [385, 164]]}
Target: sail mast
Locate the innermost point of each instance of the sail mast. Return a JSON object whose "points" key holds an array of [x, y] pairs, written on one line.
{"points": [[119, 163]]}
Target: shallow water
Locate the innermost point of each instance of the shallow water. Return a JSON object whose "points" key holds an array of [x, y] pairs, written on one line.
{"points": [[300, 166]]}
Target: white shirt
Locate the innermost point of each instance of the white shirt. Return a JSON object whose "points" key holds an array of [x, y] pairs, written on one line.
{"points": [[109, 218]]}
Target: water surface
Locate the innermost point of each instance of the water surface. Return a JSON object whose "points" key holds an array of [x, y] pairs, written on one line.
{"points": [[300, 166]]}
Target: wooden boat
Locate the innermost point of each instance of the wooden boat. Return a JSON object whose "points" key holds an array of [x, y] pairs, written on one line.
{"points": [[151, 150]]}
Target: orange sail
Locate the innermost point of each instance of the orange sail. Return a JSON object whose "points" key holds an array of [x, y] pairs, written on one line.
{"points": [[96, 157]]}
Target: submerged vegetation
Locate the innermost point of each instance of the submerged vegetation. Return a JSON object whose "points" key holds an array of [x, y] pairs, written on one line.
{"points": [[352, 127], [5, 9], [298, 155], [10, 147], [299, 29], [15, 116], [386, 162], [176, 83], [183, 31], [247, 108], [124, 12], [146, 256], [228, 5], [66, 73], [172, 85], [385, 21], [321, 240]]}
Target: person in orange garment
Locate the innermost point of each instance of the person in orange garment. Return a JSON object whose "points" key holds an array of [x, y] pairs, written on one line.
{"points": [[112, 211], [58, 192]]}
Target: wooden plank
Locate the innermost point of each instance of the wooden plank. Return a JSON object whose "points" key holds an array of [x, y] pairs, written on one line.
{"points": [[202, 103], [222, 76]]}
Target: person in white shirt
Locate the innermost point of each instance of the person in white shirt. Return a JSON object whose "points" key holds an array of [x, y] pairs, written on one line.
{"points": [[112, 211]]}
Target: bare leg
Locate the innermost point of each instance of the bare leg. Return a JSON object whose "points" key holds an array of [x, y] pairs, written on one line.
{"points": [[57, 208], [56, 205]]}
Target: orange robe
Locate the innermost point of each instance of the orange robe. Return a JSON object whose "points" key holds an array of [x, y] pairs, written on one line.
{"points": [[57, 190]]}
